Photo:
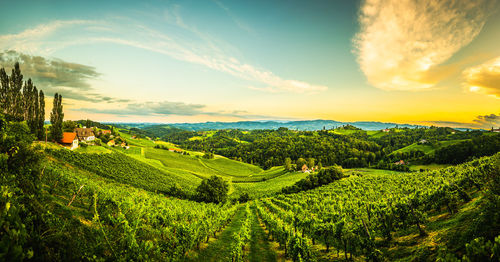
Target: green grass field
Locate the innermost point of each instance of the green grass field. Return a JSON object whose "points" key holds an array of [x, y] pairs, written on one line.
{"points": [[188, 170], [426, 148]]}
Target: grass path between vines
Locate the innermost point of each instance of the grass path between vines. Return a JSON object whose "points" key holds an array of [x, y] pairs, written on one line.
{"points": [[220, 249], [258, 249]]}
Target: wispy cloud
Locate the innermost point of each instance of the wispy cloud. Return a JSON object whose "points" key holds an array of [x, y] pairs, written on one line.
{"points": [[167, 108], [191, 46], [56, 75], [402, 44], [484, 78]]}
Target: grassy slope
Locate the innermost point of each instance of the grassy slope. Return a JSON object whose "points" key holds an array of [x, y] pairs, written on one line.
{"points": [[427, 149], [188, 170], [441, 227]]}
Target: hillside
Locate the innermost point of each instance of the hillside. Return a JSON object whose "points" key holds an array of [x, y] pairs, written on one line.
{"points": [[136, 203], [158, 170]]}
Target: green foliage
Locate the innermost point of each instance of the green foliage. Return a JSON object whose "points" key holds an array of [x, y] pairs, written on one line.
{"points": [[323, 177], [27, 105], [288, 164], [268, 148], [208, 155], [300, 163], [484, 145], [121, 222], [352, 212], [56, 118], [69, 126], [244, 198], [212, 190], [20, 216]]}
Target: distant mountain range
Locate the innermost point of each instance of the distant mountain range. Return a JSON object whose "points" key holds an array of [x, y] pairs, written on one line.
{"points": [[306, 125]]}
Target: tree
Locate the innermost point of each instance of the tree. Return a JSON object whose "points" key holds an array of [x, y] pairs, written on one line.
{"points": [[244, 198], [69, 126], [213, 189], [16, 98], [310, 162], [41, 115], [4, 91], [300, 162], [288, 164], [56, 118]]}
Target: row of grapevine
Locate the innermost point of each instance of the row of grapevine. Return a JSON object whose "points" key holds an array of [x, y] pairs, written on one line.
{"points": [[242, 237], [296, 246]]}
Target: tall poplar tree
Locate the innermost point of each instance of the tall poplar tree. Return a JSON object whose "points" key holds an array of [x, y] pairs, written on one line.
{"points": [[4, 91], [56, 118], [33, 124], [16, 84], [41, 116]]}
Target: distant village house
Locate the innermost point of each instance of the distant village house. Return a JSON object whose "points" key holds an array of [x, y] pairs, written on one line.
{"points": [[400, 162], [85, 134], [103, 132], [69, 140]]}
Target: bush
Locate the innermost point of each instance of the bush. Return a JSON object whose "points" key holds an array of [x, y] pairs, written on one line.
{"points": [[213, 189]]}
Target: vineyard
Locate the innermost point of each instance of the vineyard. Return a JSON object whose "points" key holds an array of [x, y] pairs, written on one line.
{"points": [[122, 222], [357, 215], [124, 169], [107, 203]]}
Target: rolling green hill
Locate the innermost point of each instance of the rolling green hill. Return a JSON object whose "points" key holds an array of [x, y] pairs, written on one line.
{"points": [[428, 148]]}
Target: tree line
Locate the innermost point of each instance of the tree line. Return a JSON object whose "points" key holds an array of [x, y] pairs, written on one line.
{"points": [[21, 101]]}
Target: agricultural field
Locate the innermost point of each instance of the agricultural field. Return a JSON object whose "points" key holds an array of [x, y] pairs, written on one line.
{"points": [[145, 202]]}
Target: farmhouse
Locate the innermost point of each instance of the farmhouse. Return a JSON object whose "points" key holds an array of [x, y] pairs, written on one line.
{"points": [[111, 143], [175, 150], [423, 141], [85, 134], [386, 130], [69, 140], [495, 130], [103, 132], [400, 162], [304, 168]]}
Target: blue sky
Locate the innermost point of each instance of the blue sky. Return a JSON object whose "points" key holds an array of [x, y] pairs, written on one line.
{"points": [[191, 61]]}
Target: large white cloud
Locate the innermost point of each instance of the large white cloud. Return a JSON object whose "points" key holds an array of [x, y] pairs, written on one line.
{"points": [[402, 43], [484, 78]]}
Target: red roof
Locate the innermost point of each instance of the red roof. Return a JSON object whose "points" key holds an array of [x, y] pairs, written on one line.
{"points": [[68, 137], [106, 131]]}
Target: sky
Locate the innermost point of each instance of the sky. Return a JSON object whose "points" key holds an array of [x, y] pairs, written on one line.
{"points": [[403, 61]]}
